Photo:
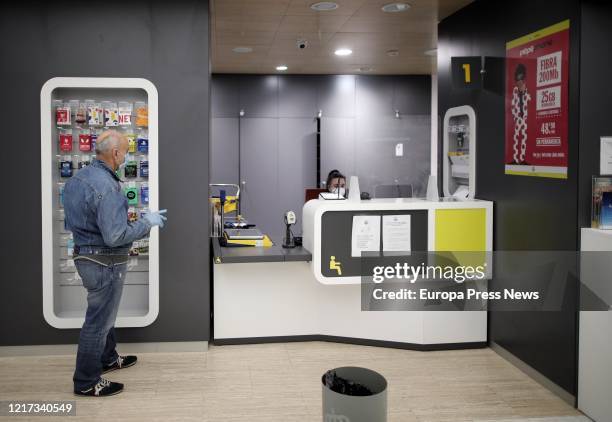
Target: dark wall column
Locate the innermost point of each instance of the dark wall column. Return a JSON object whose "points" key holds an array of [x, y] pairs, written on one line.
{"points": [[167, 43], [530, 213]]}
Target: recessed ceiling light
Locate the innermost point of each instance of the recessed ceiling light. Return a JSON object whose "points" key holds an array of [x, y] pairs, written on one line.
{"points": [[242, 50], [281, 68], [343, 52], [395, 7], [323, 6], [432, 52], [392, 53]]}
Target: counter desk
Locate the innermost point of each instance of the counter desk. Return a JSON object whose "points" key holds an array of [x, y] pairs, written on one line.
{"points": [[276, 294]]}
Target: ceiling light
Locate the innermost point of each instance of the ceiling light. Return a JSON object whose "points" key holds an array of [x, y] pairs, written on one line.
{"points": [[281, 68], [323, 6], [242, 50], [392, 53], [343, 52], [395, 7]]}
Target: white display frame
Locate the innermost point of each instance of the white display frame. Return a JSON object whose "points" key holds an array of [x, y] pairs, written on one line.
{"points": [[468, 111], [46, 157]]}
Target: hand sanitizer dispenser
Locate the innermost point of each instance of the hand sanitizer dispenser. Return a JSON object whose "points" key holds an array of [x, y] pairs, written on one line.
{"points": [[459, 159]]}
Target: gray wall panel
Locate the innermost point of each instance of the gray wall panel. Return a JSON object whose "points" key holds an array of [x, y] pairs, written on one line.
{"points": [[337, 146], [259, 164], [224, 150], [412, 95], [374, 96], [225, 96], [336, 95], [297, 165], [259, 95], [296, 96]]}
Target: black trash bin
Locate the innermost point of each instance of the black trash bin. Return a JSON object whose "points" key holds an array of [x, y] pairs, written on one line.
{"points": [[353, 394]]}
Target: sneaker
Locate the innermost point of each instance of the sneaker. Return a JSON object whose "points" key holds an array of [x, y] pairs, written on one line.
{"points": [[102, 388], [121, 362]]}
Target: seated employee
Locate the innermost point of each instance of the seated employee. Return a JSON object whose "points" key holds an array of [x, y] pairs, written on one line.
{"points": [[336, 182]]}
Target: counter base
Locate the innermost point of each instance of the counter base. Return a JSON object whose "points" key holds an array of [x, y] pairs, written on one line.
{"points": [[351, 340]]}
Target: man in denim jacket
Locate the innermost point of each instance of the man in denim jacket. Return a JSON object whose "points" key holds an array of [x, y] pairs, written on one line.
{"points": [[96, 213]]}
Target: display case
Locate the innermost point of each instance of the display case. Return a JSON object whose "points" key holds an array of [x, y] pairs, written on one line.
{"points": [[74, 111], [459, 178]]}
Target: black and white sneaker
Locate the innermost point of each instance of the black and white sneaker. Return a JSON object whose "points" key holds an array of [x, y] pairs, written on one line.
{"points": [[102, 388], [121, 362]]}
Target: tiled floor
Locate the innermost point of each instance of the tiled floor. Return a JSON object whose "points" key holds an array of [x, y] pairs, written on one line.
{"points": [[281, 382]]}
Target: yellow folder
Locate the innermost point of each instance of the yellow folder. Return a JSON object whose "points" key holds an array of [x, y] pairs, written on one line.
{"points": [[265, 242]]}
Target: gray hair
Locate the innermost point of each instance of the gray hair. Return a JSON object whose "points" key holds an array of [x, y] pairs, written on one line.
{"points": [[107, 141]]}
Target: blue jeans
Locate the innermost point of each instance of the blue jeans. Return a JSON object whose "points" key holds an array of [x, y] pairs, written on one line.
{"points": [[97, 343]]}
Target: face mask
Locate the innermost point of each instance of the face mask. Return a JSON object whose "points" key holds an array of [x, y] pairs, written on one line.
{"points": [[340, 190], [120, 168]]}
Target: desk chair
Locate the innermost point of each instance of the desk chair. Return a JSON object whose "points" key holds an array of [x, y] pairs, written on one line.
{"points": [[312, 193]]}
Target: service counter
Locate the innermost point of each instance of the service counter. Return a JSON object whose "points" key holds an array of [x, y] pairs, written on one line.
{"points": [[276, 294]]}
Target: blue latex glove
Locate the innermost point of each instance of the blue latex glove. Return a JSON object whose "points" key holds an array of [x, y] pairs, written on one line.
{"points": [[156, 218]]}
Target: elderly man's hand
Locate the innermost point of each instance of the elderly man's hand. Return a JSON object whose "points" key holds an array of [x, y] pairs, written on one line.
{"points": [[156, 218]]}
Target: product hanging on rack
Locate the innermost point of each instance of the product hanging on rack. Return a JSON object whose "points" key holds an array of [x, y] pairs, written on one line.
{"points": [[144, 167], [94, 138], [131, 193], [125, 114], [65, 140], [111, 114], [65, 166], [142, 114], [81, 114], [143, 141], [131, 138], [94, 113], [84, 161], [132, 214], [85, 140], [131, 167], [144, 194], [62, 113]]}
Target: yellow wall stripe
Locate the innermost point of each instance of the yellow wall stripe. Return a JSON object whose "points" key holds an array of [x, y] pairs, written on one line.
{"points": [[538, 34], [537, 174]]}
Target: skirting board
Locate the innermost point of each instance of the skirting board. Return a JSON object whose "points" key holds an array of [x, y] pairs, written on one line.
{"points": [[70, 349], [350, 340], [534, 374]]}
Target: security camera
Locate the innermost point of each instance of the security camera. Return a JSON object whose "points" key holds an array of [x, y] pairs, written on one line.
{"points": [[302, 44]]}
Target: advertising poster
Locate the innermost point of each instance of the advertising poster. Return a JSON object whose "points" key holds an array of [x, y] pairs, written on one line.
{"points": [[537, 94]]}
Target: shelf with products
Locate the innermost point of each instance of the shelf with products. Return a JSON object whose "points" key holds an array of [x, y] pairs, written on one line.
{"points": [[74, 113], [601, 203]]}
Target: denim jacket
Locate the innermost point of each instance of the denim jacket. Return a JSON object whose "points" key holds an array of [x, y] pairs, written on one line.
{"points": [[96, 211]]}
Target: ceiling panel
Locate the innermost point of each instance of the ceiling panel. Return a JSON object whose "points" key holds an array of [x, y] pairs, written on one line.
{"points": [[272, 27]]}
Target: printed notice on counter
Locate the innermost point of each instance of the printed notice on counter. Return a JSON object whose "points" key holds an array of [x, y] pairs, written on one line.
{"points": [[366, 234], [396, 234]]}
